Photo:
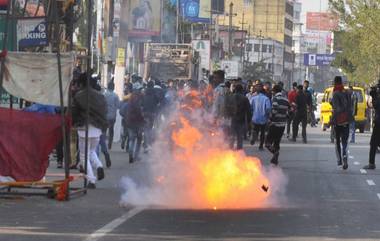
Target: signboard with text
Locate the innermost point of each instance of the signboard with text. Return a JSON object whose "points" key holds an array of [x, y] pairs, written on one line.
{"points": [[318, 59], [203, 47], [32, 32], [197, 11], [321, 21]]}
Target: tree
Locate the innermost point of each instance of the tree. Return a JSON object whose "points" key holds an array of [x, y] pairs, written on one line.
{"points": [[360, 21], [257, 71]]}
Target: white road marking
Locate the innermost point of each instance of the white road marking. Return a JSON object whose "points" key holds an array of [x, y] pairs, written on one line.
{"points": [[378, 195], [357, 163], [98, 234], [351, 157], [371, 182], [362, 171]]}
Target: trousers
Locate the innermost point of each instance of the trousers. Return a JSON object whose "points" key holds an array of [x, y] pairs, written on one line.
{"points": [[299, 118], [341, 141], [93, 159], [374, 144]]}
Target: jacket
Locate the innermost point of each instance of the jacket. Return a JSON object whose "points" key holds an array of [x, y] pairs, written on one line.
{"points": [[341, 103], [134, 116], [113, 104], [97, 109], [243, 111], [261, 107]]}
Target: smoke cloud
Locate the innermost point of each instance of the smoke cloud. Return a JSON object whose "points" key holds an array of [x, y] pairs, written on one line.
{"points": [[190, 166]]}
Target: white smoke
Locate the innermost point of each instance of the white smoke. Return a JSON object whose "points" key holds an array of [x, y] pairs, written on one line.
{"points": [[168, 182]]}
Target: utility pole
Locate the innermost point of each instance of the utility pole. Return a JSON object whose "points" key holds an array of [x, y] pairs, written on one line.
{"points": [[230, 31], [177, 24], [243, 39]]}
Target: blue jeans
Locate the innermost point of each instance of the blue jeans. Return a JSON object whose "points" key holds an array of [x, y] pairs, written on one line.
{"points": [[135, 139], [102, 144], [352, 130]]}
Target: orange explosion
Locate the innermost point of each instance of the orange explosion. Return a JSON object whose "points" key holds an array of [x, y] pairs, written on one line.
{"points": [[219, 177]]}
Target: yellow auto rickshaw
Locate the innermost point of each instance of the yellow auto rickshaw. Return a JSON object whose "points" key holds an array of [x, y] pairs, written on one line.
{"points": [[360, 117]]}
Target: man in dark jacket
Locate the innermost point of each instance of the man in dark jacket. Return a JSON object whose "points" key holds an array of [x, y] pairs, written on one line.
{"points": [[97, 122], [341, 118], [240, 117], [135, 123], [278, 120], [300, 114], [150, 104], [375, 138]]}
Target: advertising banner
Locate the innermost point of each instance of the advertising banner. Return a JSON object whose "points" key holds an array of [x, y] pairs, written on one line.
{"points": [[144, 18], [198, 11], [321, 21], [120, 60], [32, 33], [203, 47], [318, 59]]}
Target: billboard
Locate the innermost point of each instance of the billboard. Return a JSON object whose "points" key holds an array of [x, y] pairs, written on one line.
{"points": [[32, 32], [204, 49], [144, 18], [321, 21], [198, 11], [318, 59]]}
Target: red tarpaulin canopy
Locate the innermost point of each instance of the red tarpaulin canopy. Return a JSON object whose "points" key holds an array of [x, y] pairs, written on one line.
{"points": [[26, 140]]}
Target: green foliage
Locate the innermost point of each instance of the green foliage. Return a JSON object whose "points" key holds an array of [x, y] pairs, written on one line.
{"points": [[257, 71], [360, 21]]}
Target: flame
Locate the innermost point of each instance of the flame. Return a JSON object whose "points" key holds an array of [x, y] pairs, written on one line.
{"points": [[219, 177]]}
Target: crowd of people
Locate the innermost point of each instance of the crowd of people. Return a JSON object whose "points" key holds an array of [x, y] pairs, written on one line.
{"points": [[259, 112]]}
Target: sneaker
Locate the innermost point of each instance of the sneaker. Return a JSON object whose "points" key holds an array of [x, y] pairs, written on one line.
{"points": [[274, 159], [340, 163], [91, 185], [100, 172], [122, 145], [345, 163], [252, 142], [59, 165], [304, 141], [370, 167], [108, 160], [131, 159]]}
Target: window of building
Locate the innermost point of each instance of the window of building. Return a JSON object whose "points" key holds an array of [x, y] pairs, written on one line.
{"points": [[297, 15], [257, 47], [288, 24], [265, 47], [248, 47], [288, 40], [270, 48], [270, 67], [289, 9]]}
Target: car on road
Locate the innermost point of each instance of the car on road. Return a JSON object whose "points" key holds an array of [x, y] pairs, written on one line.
{"points": [[360, 117]]}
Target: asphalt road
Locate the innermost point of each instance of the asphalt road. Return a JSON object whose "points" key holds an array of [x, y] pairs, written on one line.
{"points": [[321, 202]]}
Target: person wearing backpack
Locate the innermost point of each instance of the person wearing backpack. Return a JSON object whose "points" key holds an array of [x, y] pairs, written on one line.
{"points": [[341, 119], [261, 108], [240, 116]]}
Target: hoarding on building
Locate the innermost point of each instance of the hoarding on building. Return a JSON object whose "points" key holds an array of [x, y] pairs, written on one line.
{"points": [[321, 21], [144, 18], [204, 49], [198, 11], [318, 59], [32, 33], [3, 5]]}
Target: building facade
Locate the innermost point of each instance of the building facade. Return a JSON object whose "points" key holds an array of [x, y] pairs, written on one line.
{"points": [[299, 70], [266, 19], [270, 52]]}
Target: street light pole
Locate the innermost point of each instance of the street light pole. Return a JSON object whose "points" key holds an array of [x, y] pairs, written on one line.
{"points": [[230, 31]]}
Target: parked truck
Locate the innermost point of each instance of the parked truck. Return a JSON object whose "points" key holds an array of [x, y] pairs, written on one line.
{"points": [[170, 61]]}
